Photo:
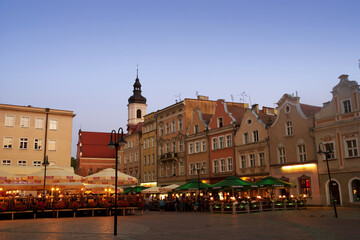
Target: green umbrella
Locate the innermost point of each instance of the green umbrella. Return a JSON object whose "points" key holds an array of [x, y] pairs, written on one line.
{"points": [[231, 182], [136, 189], [193, 185], [273, 183]]}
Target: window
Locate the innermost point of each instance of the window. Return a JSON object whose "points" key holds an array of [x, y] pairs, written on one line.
{"points": [[161, 130], [53, 124], [136, 157], [215, 166], [125, 159], [222, 165], [203, 170], [282, 155], [153, 176], [181, 145], [153, 159], [174, 146], [256, 136], [355, 190], [289, 128], [52, 145], [39, 123], [228, 141], [168, 148], [252, 160], [329, 147], [262, 159], [305, 185], [214, 143], [37, 144], [191, 148], [9, 121], [161, 170], [197, 147], [131, 158], [152, 142], [37, 163], [246, 138], [191, 169], [351, 148], [196, 129], [8, 142], [144, 160], [138, 113], [174, 169], [167, 128], [243, 161], [144, 143], [6, 162], [145, 177], [23, 143], [21, 163], [220, 122], [221, 142], [347, 106], [229, 164], [182, 168], [148, 159], [174, 126], [203, 146], [180, 124], [24, 122], [168, 170], [302, 153]]}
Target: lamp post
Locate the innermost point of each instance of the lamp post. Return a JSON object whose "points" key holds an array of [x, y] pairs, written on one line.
{"points": [[322, 150], [118, 141], [45, 164], [198, 169]]}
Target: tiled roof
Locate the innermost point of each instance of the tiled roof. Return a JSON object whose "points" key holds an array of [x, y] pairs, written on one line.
{"points": [[237, 112], [309, 110], [94, 145]]}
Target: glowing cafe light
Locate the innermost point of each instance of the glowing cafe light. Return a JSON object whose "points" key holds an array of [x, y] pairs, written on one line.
{"points": [[292, 196], [52, 189], [307, 166], [304, 195], [284, 196]]}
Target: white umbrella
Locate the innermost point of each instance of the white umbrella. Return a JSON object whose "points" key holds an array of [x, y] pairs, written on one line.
{"points": [[153, 189], [100, 188], [107, 176], [53, 175], [8, 177]]}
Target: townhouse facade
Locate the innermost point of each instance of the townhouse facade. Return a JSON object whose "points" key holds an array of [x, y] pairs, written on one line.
{"points": [[197, 142], [148, 151], [252, 150], [172, 123], [222, 128], [292, 149], [338, 129], [29, 134]]}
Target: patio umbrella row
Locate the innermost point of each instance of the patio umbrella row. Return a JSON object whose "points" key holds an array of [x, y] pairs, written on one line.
{"points": [[233, 182]]}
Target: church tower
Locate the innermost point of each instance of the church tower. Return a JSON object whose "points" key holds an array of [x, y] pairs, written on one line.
{"points": [[137, 104]]}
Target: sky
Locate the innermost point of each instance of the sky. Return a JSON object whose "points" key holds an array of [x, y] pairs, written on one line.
{"points": [[82, 55]]}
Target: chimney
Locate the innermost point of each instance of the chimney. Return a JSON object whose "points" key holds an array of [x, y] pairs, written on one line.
{"points": [[255, 108], [200, 97]]}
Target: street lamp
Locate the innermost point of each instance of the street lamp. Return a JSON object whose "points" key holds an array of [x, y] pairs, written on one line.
{"points": [[118, 141], [45, 164], [198, 169], [327, 152]]}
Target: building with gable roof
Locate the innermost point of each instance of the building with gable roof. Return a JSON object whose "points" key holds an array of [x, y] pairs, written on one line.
{"points": [[222, 129], [337, 127], [252, 143], [197, 155], [292, 150]]}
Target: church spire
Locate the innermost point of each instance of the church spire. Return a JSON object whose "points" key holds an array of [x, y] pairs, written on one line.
{"points": [[137, 97]]}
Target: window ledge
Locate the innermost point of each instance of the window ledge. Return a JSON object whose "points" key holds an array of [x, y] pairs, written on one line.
{"points": [[349, 158]]}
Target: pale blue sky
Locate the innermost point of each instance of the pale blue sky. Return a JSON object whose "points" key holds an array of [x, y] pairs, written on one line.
{"points": [[81, 55]]}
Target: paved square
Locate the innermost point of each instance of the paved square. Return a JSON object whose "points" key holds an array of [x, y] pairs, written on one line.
{"points": [[313, 223]]}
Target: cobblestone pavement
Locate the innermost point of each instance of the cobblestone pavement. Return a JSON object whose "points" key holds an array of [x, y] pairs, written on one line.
{"points": [[313, 223]]}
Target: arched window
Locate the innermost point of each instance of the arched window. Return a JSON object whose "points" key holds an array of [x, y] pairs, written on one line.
{"points": [[91, 171], [138, 113], [355, 189]]}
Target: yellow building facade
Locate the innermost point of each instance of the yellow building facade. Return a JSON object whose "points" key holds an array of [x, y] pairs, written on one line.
{"points": [[28, 134]]}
